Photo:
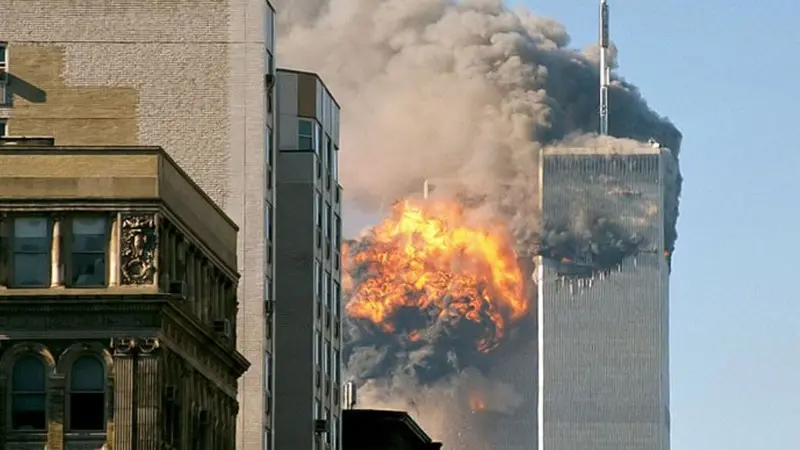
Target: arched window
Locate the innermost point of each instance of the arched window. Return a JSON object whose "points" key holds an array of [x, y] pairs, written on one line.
{"points": [[87, 395], [28, 395]]}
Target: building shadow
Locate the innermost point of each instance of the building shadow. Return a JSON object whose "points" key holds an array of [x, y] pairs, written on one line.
{"points": [[29, 92]]}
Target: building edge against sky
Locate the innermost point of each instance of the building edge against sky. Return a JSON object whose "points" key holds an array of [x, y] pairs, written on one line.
{"points": [[308, 278], [604, 336], [188, 76]]}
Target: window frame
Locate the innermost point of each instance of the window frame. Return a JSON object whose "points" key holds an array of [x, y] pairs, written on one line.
{"points": [[69, 392], [13, 252], [3, 124], [12, 393], [69, 264], [301, 135]]}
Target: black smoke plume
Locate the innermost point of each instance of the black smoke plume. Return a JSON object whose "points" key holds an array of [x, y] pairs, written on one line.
{"points": [[467, 92]]}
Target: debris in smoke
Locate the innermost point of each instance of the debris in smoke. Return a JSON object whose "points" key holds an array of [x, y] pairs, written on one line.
{"points": [[600, 246]]}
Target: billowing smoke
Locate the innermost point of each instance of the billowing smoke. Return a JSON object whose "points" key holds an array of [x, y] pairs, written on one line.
{"points": [[465, 93]]}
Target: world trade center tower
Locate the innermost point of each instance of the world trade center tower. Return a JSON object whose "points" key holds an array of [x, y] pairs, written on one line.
{"points": [[603, 298]]}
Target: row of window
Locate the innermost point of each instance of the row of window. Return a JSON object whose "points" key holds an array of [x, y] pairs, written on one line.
{"points": [[311, 136], [327, 220], [85, 400], [327, 290], [332, 437], [85, 240], [327, 357]]}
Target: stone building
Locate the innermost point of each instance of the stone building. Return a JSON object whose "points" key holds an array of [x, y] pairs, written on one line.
{"points": [[118, 308]]}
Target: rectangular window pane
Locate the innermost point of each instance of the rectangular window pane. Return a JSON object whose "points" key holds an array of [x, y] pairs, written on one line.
{"points": [[336, 297], [89, 235], [31, 235], [328, 361], [31, 269], [317, 276], [335, 374], [316, 346], [87, 412], [319, 346], [325, 286], [320, 210], [28, 412], [305, 128], [328, 219], [318, 141], [88, 269], [89, 244], [325, 356], [328, 419], [305, 143]]}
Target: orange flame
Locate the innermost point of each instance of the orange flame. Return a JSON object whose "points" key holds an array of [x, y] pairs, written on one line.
{"points": [[425, 256], [476, 402]]}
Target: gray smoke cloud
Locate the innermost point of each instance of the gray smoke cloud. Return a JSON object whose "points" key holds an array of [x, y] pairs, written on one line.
{"points": [[465, 92]]}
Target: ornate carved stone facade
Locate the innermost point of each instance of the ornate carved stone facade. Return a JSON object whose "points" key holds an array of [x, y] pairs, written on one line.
{"points": [[138, 248], [122, 361]]}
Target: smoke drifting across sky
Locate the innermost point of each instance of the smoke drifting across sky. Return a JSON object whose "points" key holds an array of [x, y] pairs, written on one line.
{"points": [[466, 91]]}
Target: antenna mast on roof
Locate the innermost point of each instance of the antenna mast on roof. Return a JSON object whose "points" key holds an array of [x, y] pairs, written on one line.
{"points": [[605, 71]]}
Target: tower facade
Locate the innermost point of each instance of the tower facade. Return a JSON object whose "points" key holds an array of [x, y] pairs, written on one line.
{"points": [[194, 77], [603, 301], [308, 309]]}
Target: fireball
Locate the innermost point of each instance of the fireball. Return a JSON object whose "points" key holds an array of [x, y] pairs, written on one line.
{"points": [[426, 256]]}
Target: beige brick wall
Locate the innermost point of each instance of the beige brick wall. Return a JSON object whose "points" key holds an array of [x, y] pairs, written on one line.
{"points": [[186, 75]]}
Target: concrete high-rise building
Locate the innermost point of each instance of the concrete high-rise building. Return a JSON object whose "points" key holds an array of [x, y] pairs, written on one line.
{"points": [[308, 279], [193, 77], [603, 320]]}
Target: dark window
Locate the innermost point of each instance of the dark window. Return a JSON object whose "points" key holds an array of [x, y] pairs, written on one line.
{"points": [[305, 135], [87, 395], [28, 395], [338, 240], [328, 219], [268, 220], [32, 252], [318, 142], [89, 244], [320, 209]]}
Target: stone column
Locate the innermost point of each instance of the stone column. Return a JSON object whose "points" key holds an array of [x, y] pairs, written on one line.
{"points": [[148, 396], [56, 414], [113, 252], [124, 352], [56, 278], [5, 250]]}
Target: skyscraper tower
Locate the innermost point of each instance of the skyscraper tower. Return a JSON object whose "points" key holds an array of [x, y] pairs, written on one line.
{"points": [[603, 306]]}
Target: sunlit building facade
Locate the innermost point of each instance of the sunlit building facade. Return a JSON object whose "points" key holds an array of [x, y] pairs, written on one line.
{"points": [[193, 77], [308, 307], [603, 331]]}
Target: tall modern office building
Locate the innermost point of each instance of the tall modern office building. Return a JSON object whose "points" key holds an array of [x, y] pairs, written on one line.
{"points": [[308, 289], [603, 320], [193, 77]]}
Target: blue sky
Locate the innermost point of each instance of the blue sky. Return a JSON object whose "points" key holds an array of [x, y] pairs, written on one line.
{"points": [[724, 71]]}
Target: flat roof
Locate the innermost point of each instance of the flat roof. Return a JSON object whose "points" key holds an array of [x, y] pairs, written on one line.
{"points": [[610, 150], [371, 423], [311, 74]]}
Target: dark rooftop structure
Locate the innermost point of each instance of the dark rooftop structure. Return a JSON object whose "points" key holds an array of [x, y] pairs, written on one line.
{"points": [[369, 429]]}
